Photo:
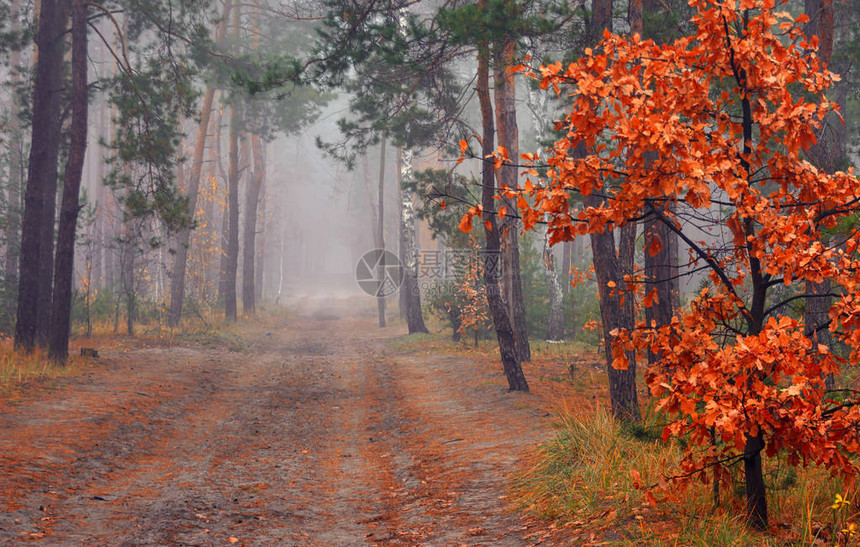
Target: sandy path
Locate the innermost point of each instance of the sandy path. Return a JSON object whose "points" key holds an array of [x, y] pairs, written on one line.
{"points": [[318, 432]]}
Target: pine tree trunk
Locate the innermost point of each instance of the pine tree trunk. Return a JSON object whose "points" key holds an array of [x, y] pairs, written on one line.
{"points": [[261, 236], [615, 312], [827, 154], [36, 264], [498, 311], [661, 274], [249, 237], [661, 267], [537, 103], [282, 245], [409, 290], [128, 257], [232, 255], [64, 264], [380, 230], [223, 236], [180, 261], [16, 175], [507, 177]]}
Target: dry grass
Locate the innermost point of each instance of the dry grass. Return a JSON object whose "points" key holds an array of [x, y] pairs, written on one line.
{"points": [[583, 480], [18, 368]]}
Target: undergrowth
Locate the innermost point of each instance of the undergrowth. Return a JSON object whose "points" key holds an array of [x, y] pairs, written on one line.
{"points": [[585, 480], [18, 368]]}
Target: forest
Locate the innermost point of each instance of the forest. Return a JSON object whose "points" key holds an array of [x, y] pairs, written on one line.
{"points": [[515, 272]]}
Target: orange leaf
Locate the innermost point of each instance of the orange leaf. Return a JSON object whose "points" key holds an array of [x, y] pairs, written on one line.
{"points": [[650, 498], [655, 245], [466, 223], [650, 299]]}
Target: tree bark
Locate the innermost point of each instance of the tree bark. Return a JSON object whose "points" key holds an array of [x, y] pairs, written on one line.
{"points": [[64, 264], [380, 229], [409, 290], [249, 253], [754, 478], [661, 274], [232, 255], [555, 321], [615, 311], [507, 176], [661, 267], [827, 154], [180, 261], [537, 103], [36, 264], [566, 264], [820, 24], [262, 231], [16, 174], [501, 321]]}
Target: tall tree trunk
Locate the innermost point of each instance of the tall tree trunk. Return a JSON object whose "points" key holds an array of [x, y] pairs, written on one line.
{"points": [[127, 266], [36, 264], [616, 313], [498, 311], [16, 174], [249, 253], [827, 154], [64, 264], [262, 231], [661, 273], [380, 230], [232, 256], [131, 290], [820, 24], [223, 236], [177, 284], [555, 321], [609, 268], [409, 290], [180, 259], [566, 265], [281, 245], [661, 243], [507, 176], [537, 103]]}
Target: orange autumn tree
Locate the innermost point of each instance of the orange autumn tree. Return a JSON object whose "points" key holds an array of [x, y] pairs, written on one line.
{"points": [[707, 135], [471, 292]]}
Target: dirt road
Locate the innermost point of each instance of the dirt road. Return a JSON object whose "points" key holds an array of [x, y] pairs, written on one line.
{"points": [[316, 431]]}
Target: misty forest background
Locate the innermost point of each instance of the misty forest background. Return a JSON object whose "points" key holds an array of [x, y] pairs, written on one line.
{"points": [[170, 161], [172, 164], [238, 151]]}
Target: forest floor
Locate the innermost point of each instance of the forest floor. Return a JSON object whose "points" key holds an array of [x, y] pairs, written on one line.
{"points": [[316, 428]]}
